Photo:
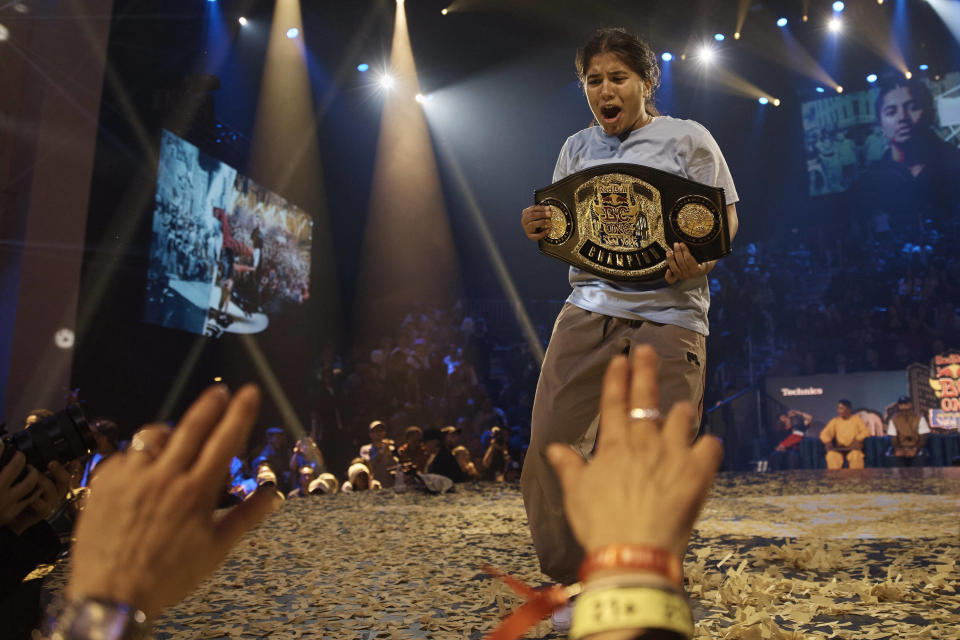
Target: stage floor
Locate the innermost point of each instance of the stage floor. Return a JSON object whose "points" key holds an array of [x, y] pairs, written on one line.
{"points": [[851, 554]]}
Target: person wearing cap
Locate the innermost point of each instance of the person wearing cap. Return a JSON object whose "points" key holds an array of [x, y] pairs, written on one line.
{"points": [[440, 459], [359, 479], [324, 484], [908, 436], [843, 437], [380, 454]]}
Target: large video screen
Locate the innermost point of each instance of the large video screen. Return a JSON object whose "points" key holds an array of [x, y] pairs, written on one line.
{"points": [[846, 137], [226, 254]]}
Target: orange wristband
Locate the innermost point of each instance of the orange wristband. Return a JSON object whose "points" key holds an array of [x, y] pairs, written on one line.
{"points": [[629, 556]]}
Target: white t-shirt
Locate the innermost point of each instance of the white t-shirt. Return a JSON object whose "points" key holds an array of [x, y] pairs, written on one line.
{"points": [[681, 147], [922, 428]]}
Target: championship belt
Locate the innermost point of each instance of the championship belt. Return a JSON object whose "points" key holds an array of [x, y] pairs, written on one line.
{"points": [[618, 220]]}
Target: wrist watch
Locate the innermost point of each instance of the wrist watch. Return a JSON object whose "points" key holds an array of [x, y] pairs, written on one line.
{"points": [[93, 618]]}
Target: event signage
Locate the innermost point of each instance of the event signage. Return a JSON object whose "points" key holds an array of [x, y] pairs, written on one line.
{"points": [[945, 382]]}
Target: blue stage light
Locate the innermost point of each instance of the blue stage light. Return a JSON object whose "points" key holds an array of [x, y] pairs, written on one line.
{"points": [[762, 100], [362, 67], [782, 22], [293, 32], [718, 37], [872, 78], [667, 56], [923, 67], [820, 89], [838, 6]]}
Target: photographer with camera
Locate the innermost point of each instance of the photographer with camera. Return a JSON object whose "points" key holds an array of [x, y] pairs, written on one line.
{"points": [[497, 456], [31, 502]]}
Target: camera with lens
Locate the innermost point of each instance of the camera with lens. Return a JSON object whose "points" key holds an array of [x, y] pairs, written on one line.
{"points": [[499, 438], [62, 437]]}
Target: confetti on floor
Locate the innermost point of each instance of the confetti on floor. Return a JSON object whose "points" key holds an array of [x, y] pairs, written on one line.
{"points": [[869, 554]]}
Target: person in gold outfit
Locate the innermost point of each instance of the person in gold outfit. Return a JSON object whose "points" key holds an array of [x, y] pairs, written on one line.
{"points": [[843, 437]]}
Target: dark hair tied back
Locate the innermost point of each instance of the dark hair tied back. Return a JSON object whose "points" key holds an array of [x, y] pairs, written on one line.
{"points": [[634, 52]]}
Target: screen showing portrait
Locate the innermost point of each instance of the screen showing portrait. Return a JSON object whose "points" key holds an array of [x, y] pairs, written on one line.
{"points": [[226, 255], [848, 136]]}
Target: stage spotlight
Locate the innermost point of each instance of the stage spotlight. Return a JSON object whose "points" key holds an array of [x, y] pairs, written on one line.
{"points": [[4, 33], [444, 11], [776, 102], [820, 89], [293, 32], [706, 54], [782, 22], [667, 56], [736, 35], [64, 338], [835, 25], [908, 75], [218, 379], [839, 89], [762, 100], [872, 78], [386, 82], [923, 67], [242, 21], [363, 67], [805, 18], [718, 37], [838, 6], [420, 98]]}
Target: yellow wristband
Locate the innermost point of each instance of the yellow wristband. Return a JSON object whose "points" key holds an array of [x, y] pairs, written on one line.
{"points": [[630, 608]]}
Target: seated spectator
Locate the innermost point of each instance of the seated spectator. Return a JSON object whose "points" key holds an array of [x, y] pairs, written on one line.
{"points": [[496, 457], [466, 464], [242, 483], [380, 454], [359, 479], [908, 436], [440, 458], [412, 451], [324, 484], [276, 454], [267, 479], [843, 436], [794, 424], [306, 476]]}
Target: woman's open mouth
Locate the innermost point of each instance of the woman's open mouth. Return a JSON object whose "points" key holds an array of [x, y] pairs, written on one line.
{"points": [[609, 113]]}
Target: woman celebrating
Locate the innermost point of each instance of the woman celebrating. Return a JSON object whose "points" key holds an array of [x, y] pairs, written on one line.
{"points": [[603, 318]]}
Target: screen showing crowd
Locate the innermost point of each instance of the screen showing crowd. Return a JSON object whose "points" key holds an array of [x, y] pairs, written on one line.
{"points": [[226, 254]]}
